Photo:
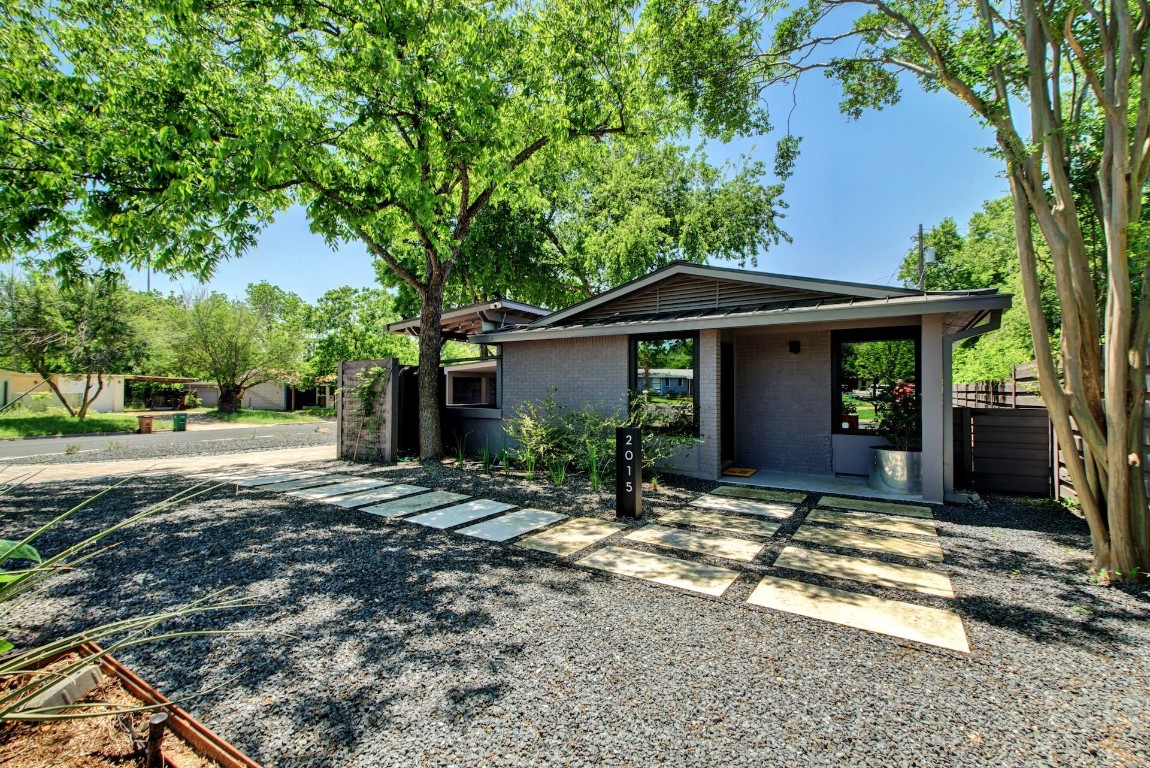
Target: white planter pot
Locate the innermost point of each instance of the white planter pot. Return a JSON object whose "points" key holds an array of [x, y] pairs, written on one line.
{"points": [[895, 471]]}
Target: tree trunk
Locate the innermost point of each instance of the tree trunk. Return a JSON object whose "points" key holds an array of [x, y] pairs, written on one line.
{"points": [[231, 397], [86, 401], [50, 380], [430, 346]]}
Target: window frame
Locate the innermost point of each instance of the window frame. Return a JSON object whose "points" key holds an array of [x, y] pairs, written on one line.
{"points": [[855, 335], [633, 373]]}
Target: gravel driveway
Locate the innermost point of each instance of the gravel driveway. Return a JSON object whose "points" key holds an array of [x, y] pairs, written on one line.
{"points": [[386, 644]]}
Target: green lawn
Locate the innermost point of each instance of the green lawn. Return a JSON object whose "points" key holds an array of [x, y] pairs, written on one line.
{"points": [[26, 424], [270, 417]]}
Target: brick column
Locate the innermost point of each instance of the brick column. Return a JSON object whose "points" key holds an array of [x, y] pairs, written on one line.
{"points": [[709, 389]]}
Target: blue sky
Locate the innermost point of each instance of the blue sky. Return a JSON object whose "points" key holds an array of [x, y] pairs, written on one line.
{"points": [[859, 192]]}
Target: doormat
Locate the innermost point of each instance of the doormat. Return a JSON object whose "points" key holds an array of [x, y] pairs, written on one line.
{"points": [[739, 472]]}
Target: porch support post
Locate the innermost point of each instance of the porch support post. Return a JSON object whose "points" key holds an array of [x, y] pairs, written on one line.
{"points": [[709, 386], [933, 410]]}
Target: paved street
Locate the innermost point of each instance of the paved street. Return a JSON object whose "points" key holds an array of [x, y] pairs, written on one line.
{"points": [[243, 438]]}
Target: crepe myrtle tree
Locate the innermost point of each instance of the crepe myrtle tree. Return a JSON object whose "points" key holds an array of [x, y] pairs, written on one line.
{"points": [[1065, 88]]}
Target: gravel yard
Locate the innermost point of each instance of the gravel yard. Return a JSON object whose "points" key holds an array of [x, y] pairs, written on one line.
{"points": [[380, 643]]}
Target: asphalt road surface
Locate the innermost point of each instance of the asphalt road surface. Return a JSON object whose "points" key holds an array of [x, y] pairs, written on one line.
{"points": [[226, 438]]}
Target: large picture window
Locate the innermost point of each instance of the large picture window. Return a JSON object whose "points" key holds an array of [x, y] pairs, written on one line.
{"points": [[664, 372], [868, 364]]}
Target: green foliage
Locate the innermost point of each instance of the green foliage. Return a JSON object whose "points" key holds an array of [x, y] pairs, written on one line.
{"points": [[351, 324], [82, 327], [557, 469], [986, 257], [552, 433], [235, 343]]}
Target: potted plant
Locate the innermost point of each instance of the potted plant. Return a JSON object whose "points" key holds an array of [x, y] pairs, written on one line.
{"points": [[897, 467]]}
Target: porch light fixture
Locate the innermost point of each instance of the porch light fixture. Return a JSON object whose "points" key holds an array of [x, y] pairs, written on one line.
{"points": [[793, 346]]}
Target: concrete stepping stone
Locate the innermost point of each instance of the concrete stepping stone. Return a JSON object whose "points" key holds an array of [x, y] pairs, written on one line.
{"points": [[570, 537], [882, 507], [241, 474], [660, 569], [307, 482], [866, 570], [894, 523], [409, 506], [325, 492], [460, 513], [775, 509], [512, 524], [874, 614], [693, 541], [385, 491], [871, 542], [749, 526], [759, 494], [275, 477]]}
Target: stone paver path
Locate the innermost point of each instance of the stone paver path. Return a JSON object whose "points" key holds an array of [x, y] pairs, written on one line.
{"points": [[460, 513], [732, 523], [759, 494], [772, 509], [884, 507], [258, 479], [411, 504], [512, 524], [892, 523], [571, 537], [698, 518], [693, 541], [870, 542], [331, 493], [889, 617], [866, 570], [694, 577], [307, 482]]}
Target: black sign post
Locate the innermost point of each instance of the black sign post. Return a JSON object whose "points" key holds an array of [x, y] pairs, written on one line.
{"points": [[628, 473]]}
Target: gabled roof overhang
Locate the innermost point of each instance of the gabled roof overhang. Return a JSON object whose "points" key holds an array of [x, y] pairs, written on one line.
{"points": [[961, 310]]}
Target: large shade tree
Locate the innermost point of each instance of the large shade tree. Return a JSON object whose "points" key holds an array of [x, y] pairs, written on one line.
{"points": [[1065, 88], [184, 125]]}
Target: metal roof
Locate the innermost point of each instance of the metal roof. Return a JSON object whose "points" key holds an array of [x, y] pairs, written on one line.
{"points": [[826, 301]]}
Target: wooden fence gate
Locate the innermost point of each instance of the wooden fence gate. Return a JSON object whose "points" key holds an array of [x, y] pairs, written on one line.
{"points": [[1004, 450]]}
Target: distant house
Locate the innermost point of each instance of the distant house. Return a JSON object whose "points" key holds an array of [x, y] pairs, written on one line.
{"points": [[665, 381], [33, 392]]}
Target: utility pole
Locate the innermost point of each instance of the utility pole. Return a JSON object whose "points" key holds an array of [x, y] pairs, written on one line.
{"points": [[921, 261]]}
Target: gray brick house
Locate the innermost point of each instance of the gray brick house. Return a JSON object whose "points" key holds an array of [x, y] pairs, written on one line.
{"points": [[767, 350]]}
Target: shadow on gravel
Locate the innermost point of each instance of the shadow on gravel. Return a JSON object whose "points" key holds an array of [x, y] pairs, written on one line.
{"points": [[347, 600]]}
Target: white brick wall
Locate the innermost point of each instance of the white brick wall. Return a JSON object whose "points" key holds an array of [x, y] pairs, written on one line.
{"points": [[782, 402]]}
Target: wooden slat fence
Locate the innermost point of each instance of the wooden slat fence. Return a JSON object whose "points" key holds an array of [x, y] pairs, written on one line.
{"points": [[1001, 430]]}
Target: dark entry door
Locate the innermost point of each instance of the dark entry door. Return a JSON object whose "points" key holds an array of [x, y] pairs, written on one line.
{"points": [[727, 402]]}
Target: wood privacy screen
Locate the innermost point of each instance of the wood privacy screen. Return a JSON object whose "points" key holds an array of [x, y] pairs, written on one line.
{"points": [[1004, 442]]}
